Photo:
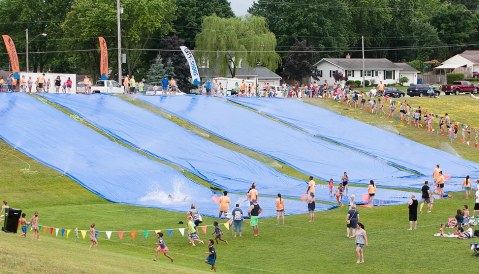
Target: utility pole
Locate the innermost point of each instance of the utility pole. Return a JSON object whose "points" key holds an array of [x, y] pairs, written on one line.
{"points": [[26, 31], [119, 40], [364, 85]]}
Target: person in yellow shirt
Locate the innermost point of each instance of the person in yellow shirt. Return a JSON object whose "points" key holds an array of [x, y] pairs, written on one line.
{"points": [[252, 194], [224, 204], [371, 191], [243, 87], [311, 185], [467, 186], [440, 184], [381, 88], [279, 208]]}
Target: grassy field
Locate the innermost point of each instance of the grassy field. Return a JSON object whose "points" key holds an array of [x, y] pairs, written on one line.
{"points": [[299, 247]]}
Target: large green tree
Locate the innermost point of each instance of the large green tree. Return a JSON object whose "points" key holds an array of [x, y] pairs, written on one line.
{"points": [[227, 43], [190, 14], [38, 16], [89, 19]]}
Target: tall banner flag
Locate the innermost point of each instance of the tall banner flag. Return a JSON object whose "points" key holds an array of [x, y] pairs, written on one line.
{"points": [[195, 75], [104, 59], [12, 53]]}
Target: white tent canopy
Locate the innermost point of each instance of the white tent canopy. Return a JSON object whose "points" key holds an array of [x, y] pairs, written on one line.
{"points": [[450, 66]]}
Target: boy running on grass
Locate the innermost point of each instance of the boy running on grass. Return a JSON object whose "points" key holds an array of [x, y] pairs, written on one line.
{"points": [[218, 233], [192, 232], [161, 247], [23, 223], [211, 259], [34, 223]]}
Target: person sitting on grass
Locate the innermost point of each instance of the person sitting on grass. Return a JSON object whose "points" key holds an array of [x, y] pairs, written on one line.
{"points": [[466, 215], [441, 230], [459, 217], [459, 230], [161, 247], [211, 259], [467, 234], [218, 233]]}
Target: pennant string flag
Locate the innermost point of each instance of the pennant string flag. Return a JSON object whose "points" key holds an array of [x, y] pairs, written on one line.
{"points": [[170, 231], [44, 229], [182, 231], [227, 226], [216, 199], [56, 232], [204, 229], [51, 230], [145, 232], [133, 234], [68, 232], [96, 234], [120, 234], [83, 233], [108, 234], [63, 232]]}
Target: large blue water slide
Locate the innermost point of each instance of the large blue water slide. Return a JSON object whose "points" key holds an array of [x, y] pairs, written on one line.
{"points": [[360, 136], [306, 153], [107, 169], [168, 141]]}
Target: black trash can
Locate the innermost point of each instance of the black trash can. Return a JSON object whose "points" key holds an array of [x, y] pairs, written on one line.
{"points": [[10, 224]]}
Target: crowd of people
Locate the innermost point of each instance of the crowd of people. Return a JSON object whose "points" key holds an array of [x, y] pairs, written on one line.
{"points": [[42, 84]]}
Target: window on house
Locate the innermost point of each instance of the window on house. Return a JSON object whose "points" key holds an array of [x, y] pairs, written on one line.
{"points": [[349, 73], [388, 75], [320, 73], [376, 73], [368, 73]]}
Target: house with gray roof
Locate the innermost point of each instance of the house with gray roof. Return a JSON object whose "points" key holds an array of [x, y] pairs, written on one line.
{"points": [[466, 62], [260, 75], [375, 70]]}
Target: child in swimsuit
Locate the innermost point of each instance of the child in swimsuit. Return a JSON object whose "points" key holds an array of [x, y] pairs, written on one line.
{"points": [[392, 110], [23, 223], [92, 236], [337, 195], [331, 185], [161, 247], [218, 233], [34, 223]]}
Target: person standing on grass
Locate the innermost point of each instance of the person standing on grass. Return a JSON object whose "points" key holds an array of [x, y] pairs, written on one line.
{"points": [[352, 220], [237, 219], [425, 197], [371, 191], [34, 223], [252, 194], [392, 108], [440, 184], [23, 223], [311, 185], [435, 175], [224, 204], [412, 205], [361, 241], [161, 247], [254, 212], [196, 215], [4, 206], [211, 259], [467, 186], [311, 207], [345, 180], [279, 208], [476, 205], [93, 239]]}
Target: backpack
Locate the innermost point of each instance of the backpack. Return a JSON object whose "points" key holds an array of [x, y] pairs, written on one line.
{"points": [[476, 233], [238, 216]]}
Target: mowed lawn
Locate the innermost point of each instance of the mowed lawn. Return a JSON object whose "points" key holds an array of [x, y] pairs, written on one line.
{"points": [[298, 247]]}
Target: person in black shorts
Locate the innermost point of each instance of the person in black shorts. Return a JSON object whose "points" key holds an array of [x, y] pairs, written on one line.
{"points": [[412, 205], [425, 197], [345, 180]]}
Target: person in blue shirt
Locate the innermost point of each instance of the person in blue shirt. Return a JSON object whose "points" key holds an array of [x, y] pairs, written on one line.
{"points": [[161, 247], [430, 91], [208, 87], [164, 84], [211, 259]]}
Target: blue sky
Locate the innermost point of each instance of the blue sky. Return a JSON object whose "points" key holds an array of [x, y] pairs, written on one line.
{"points": [[240, 7]]}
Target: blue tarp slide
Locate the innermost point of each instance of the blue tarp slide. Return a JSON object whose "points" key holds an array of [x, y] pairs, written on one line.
{"points": [[166, 140], [304, 152], [104, 167], [360, 136]]}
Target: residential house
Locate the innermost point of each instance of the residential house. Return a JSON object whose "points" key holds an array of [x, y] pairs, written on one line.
{"points": [[375, 70], [409, 72], [260, 75], [466, 62]]}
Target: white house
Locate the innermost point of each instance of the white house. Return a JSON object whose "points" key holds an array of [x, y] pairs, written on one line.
{"points": [[375, 70], [409, 72], [466, 62], [259, 75]]}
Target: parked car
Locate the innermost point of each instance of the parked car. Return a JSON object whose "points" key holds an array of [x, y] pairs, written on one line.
{"points": [[107, 86], [421, 90], [475, 75], [393, 92], [459, 87]]}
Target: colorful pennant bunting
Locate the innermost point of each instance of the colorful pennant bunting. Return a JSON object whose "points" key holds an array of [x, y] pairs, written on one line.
{"points": [[108, 234], [204, 229], [120, 234], [83, 233], [133, 234], [170, 231], [182, 231], [145, 232]]}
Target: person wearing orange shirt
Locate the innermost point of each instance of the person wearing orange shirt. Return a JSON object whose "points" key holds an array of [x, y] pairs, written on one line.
{"points": [[279, 208], [311, 186], [371, 191], [23, 84], [243, 88], [467, 186], [440, 184], [381, 88], [224, 204], [253, 194]]}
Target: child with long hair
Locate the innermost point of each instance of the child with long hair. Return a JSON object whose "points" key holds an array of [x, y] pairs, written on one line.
{"points": [[218, 233], [371, 191], [93, 239], [279, 208]]}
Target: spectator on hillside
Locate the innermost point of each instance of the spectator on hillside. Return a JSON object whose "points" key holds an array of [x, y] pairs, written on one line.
{"points": [[425, 197], [238, 218], [412, 205], [352, 220]]}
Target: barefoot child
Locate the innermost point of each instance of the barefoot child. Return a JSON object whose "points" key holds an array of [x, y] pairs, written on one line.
{"points": [[192, 232], [161, 247], [34, 223], [211, 259], [338, 197], [93, 240], [218, 233], [331, 185], [23, 223], [76, 235]]}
